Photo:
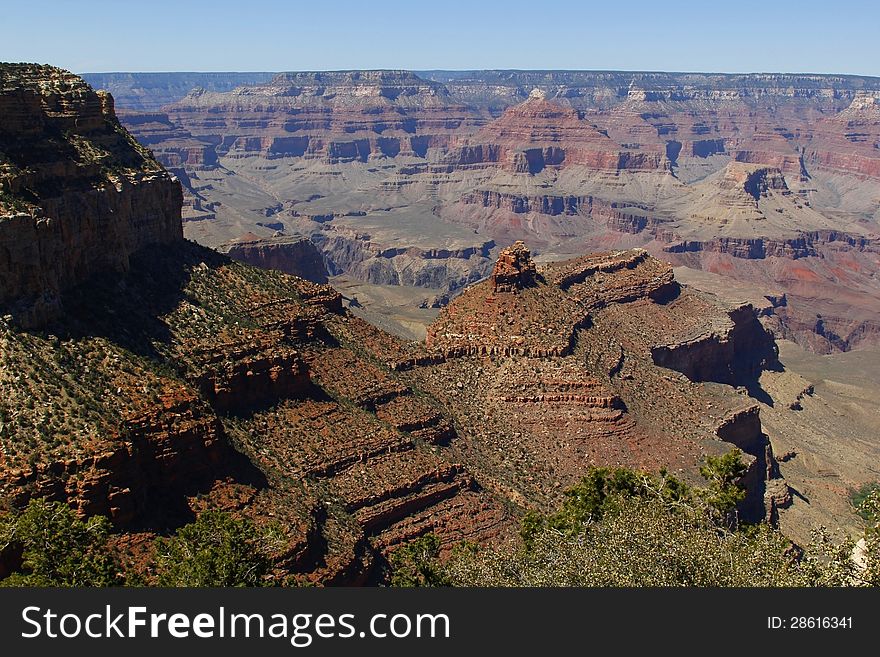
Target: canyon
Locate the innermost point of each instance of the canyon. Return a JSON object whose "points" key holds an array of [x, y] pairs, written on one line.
{"points": [[149, 378], [417, 179]]}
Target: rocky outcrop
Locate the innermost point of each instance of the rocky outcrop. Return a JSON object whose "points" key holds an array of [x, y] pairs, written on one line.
{"points": [[165, 453], [245, 377], [514, 270], [557, 302], [766, 491], [557, 373], [634, 275], [733, 351], [76, 208], [758, 182], [538, 134], [297, 256], [495, 318]]}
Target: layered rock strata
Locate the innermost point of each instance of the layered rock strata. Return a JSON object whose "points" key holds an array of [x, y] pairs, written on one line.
{"points": [[564, 373], [79, 195], [711, 169], [171, 380]]}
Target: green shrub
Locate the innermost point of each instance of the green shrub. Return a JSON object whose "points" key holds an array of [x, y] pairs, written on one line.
{"points": [[588, 500], [215, 550], [723, 474], [417, 563], [869, 509], [58, 548], [857, 496]]}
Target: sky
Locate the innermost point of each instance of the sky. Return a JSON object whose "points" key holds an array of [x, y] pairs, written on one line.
{"points": [[282, 35]]}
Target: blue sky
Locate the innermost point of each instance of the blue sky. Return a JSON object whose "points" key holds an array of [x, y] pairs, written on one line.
{"points": [[270, 35]]}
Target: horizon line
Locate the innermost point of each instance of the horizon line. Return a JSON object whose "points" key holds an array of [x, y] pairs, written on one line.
{"points": [[480, 70]]}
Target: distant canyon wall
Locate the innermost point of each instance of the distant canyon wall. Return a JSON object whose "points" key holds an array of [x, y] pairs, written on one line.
{"points": [[707, 170]]}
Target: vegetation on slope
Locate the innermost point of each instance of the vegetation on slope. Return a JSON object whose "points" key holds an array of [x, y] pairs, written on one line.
{"points": [[617, 527], [623, 528], [858, 496], [56, 548], [215, 550], [51, 546], [121, 346]]}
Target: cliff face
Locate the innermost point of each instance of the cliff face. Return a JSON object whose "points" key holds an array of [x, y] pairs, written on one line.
{"points": [[79, 195], [733, 351], [538, 134], [333, 116], [296, 256]]}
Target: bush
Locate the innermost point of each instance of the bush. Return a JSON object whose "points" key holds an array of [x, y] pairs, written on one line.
{"points": [[868, 566], [622, 528], [639, 542], [857, 496], [417, 563], [215, 550], [58, 548], [723, 474], [588, 500]]}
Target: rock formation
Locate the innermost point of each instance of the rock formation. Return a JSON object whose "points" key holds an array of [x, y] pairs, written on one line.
{"points": [[333, 116], [79, 195], [514, 269], [539, 133], [295, 256], [171, 379], [571, 370]]}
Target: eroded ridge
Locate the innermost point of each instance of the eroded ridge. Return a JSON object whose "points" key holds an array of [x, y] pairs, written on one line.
{"points": [[572, 370]]}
